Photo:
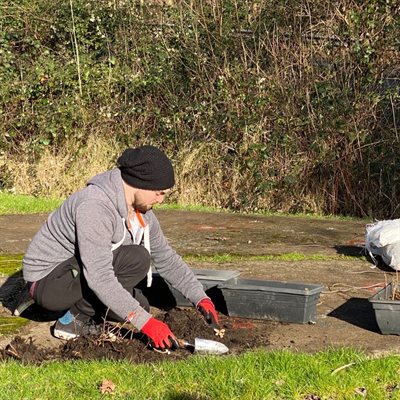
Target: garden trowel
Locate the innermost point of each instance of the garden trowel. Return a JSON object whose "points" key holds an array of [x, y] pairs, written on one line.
{"points": [[204, 346]]}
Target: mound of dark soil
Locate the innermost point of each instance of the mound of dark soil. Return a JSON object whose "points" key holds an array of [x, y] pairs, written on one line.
{"points": [[240, 335]]}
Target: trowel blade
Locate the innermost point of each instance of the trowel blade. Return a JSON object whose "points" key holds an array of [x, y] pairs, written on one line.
{"points": [[205, 346]]}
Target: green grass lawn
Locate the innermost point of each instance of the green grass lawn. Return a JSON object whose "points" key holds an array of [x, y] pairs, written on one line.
{"points": [[10, 264], [232, 258], [253, 375], [21, 204]]}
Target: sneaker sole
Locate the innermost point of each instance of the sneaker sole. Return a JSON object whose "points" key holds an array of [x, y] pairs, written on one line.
{"points": [[59, 334], [64, 335]]}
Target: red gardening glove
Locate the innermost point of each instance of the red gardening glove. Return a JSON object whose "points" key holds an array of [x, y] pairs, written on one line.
{"points": [[207, 308], [159, 333]]}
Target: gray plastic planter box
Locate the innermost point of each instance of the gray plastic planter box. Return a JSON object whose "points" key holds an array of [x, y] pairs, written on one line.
{"points": [[387, 311], [209, 279], [272, 300], [162, 295]]}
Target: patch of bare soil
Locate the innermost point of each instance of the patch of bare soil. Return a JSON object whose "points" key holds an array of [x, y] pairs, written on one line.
{"points": [[240, 335]]}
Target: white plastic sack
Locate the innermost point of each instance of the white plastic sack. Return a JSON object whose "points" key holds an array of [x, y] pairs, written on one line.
{"points": [[383, 238]]}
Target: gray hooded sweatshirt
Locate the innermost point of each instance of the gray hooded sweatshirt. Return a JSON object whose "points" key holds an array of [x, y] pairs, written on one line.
{"points": [[92, 220]]}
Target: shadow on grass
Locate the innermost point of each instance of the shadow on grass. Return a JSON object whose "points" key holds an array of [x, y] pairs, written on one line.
{"points": [[358, 252], [160, 295], [11, 293], [188, 396], [351, 251]]}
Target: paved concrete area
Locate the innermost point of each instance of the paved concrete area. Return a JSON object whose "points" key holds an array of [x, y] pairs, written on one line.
{"points": [[344, 315]]}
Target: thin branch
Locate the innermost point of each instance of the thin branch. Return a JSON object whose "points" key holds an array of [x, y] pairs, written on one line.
{"points": [[75, 42]]}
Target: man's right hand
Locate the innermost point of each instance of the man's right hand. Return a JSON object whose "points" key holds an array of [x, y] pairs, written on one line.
{"points": [[159, 333]]}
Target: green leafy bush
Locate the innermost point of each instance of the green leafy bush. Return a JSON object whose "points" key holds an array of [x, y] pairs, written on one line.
{"points": [[295, 103]]}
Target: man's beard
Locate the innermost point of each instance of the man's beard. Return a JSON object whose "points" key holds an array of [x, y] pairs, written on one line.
{"points": [[142, 208]]}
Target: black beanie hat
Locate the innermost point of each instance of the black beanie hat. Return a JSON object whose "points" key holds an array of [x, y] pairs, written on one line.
{"points": [[146, 167]]}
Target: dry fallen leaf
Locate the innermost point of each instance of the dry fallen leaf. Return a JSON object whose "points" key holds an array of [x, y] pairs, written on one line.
{"points": [[362, 391], [107, 386], [219, 332]]}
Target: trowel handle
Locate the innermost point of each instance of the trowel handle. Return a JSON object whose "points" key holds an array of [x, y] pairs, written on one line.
{"points": [[183, 343]]}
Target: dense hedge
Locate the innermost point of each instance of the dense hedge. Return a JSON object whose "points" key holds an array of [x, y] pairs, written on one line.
{"points": [[300, 99]]}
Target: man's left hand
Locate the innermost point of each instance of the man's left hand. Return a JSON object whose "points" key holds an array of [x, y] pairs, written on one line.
{"points": [[207, 308]]}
